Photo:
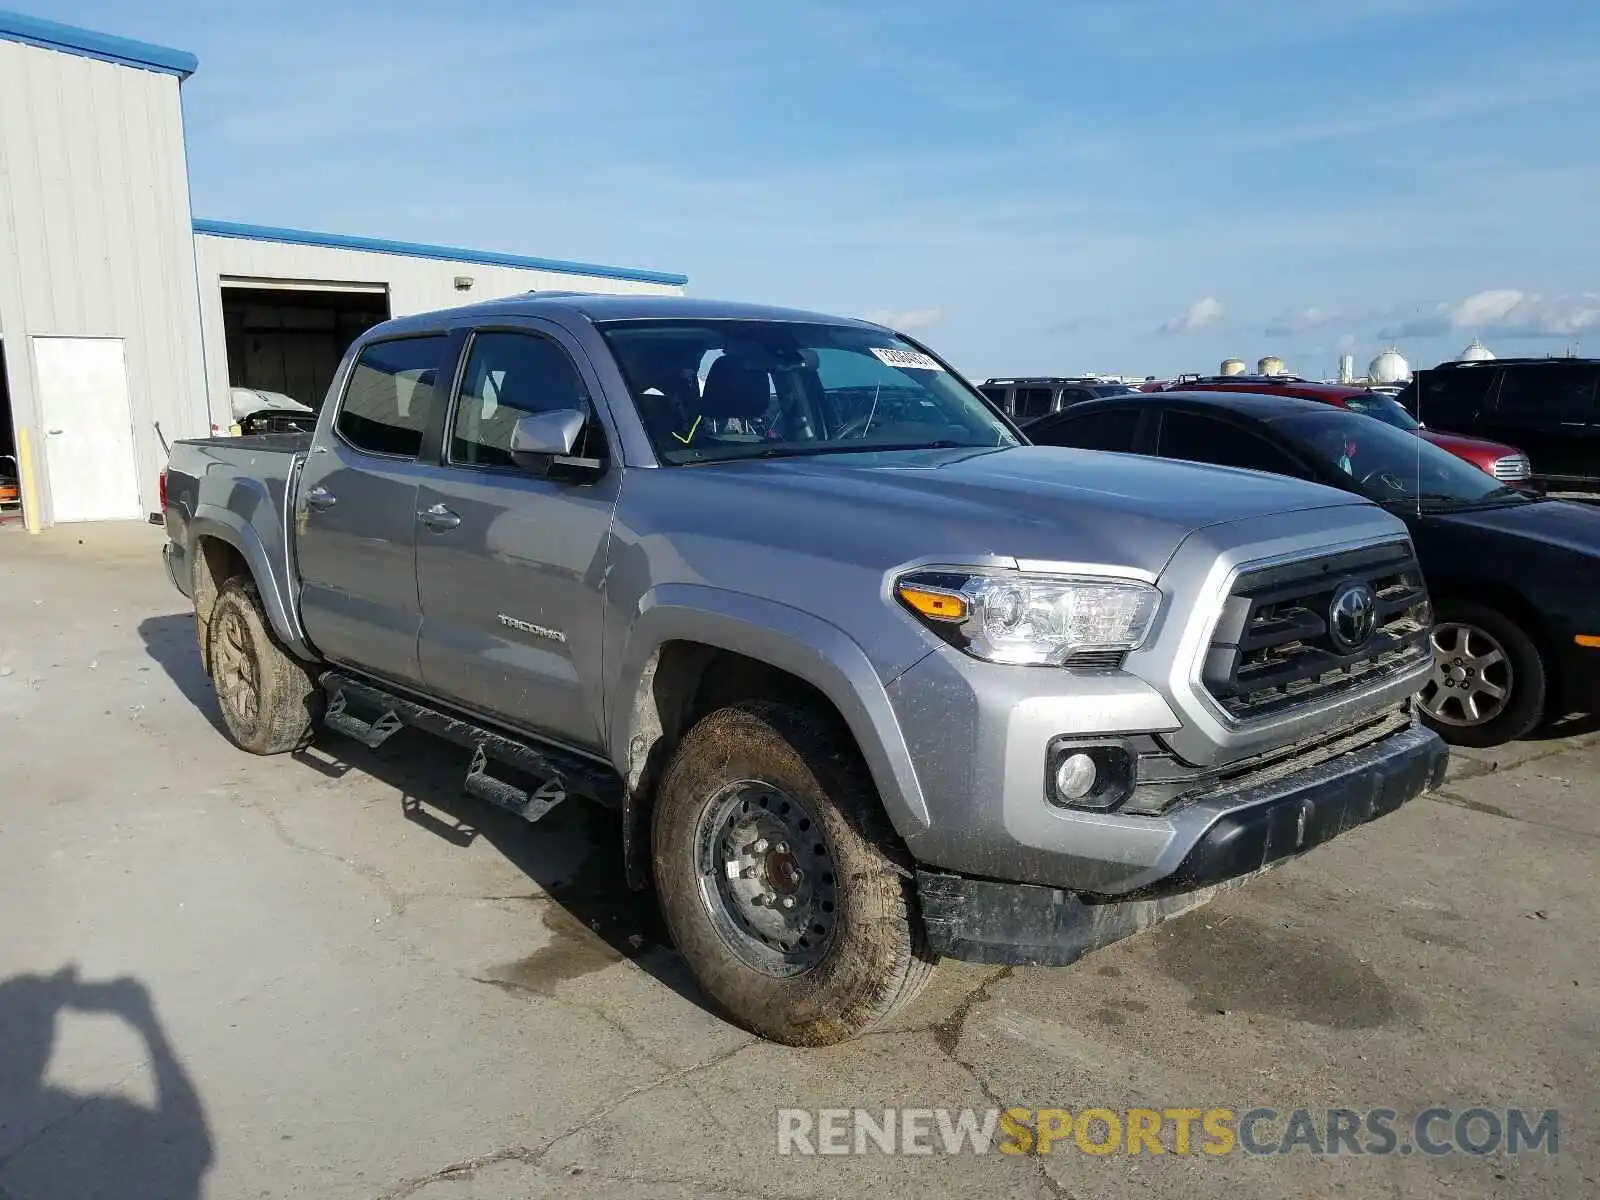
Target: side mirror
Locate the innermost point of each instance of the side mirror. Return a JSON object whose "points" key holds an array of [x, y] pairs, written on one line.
{"points": [[542, 443]]}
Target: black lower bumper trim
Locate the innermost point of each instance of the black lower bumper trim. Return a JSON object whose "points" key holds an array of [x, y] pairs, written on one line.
{"points": [[1029, 925], [1315, 806], [1024, 924]]}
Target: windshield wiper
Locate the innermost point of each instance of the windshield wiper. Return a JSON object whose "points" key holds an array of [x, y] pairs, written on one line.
{"points": [[835, 448]]}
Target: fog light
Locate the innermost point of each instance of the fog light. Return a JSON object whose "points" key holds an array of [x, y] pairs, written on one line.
{"points": [[1075, 777], [1097, 778]]}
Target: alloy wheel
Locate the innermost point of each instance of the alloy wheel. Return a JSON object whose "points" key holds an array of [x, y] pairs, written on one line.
{"points": [[1471, 680]]}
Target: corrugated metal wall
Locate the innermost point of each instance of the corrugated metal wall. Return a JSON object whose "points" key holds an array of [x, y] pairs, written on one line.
{"points": [[95, 236], [414, 285]]}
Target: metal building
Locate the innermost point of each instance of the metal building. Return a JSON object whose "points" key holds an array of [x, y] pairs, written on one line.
{"points": [[125, 323]]}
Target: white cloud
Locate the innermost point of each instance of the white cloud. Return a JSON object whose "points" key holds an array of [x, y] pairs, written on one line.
{"points": [[906, 320], [1486, 308], [1302, 321], [1509, 312], [1201, 314]]}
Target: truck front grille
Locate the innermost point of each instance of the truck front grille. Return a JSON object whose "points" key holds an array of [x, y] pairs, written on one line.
{"points": [[1512, 468], [1279, 646]]}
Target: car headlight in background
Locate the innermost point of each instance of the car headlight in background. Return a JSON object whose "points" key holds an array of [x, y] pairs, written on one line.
{"points": [[1040, 620]]}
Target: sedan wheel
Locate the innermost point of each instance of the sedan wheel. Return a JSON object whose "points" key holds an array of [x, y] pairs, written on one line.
{"points": [[1488, 681], [1472, 677]]}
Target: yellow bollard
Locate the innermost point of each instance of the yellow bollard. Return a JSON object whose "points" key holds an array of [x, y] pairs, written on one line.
{"points": [[27, 481]]}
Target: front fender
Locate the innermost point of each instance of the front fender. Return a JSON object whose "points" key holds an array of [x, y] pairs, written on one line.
{"points": [[270, 572], [790, 640]]}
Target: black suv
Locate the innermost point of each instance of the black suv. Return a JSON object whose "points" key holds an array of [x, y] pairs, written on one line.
{"points": [[1032, 397], [1550, 407]]}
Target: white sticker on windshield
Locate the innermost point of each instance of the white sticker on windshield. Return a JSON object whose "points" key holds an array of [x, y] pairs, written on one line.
{"points": [[913, 360]]}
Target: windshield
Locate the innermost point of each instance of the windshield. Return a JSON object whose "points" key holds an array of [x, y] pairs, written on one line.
{"points": [[710, 391], [1389, 465], [1385, 408]]}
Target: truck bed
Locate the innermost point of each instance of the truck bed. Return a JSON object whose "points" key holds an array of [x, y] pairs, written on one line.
{"points": [[242, 484]]}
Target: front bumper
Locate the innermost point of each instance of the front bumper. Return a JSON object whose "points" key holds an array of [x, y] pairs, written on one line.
{"points": [[992, 921]]}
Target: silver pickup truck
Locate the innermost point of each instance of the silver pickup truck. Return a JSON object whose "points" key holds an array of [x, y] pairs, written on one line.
{"points": [[870, 679]]}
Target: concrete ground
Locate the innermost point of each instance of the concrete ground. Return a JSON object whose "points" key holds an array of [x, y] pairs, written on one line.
{"points": [[330, 976]]}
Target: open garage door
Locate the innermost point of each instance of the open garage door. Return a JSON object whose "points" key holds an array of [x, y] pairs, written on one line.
{"points": [[288, 338]]}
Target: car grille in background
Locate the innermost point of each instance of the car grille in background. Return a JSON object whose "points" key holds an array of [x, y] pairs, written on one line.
{"points": [[1511, 468], [1271, 651]]}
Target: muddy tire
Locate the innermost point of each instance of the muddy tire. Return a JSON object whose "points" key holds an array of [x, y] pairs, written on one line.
{"points": [[782, 883], [1489, 679], [269, 701]]}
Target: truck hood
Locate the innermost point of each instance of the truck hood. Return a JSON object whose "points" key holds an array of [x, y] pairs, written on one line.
{"points": [[1478, 451], [1025, 502]]}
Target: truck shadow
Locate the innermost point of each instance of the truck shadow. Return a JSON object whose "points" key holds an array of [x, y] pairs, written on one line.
{"points": [[572, 856], [169, 640]]}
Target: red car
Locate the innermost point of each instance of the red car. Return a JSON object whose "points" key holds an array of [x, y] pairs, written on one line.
{"points": [[1505, 463]]}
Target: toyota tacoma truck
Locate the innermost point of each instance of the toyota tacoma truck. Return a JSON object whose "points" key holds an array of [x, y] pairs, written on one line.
{"points": [[870, 679]]}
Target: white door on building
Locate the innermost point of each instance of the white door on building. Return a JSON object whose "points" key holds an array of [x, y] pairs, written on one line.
{"points": [[88, 428]]}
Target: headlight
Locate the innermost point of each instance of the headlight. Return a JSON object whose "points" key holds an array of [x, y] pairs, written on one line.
{"points": [[1009, 617]]}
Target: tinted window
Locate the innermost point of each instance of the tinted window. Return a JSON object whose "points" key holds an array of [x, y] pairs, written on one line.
{"points": [[1548, 392], [510, 376], [1075, 395], [390, 395], [1207, 440], [1032, 402], [998, 396], [1449, 397], [1383, 408], [1110, 429], [1388, 464]]}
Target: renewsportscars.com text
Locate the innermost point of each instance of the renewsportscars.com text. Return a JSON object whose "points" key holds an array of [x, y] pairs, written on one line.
{"points": [[1208, 1131]]}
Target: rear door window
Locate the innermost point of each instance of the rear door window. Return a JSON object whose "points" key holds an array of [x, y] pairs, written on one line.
{"points": [[1203, 439], [997, 397], [1032, 402], [391, 395], [1553, 393], [1450, 398], [1108, 429]]}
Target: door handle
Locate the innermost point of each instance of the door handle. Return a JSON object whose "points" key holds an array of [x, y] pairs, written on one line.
{"points": [[320, 498], [54, 432], [439, 518]]}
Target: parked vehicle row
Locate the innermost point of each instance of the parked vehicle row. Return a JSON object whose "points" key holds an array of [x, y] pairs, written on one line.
{"points": [[870, 679], [1548, 406], [1029, 398], [1515, 580], [1505, 463]]}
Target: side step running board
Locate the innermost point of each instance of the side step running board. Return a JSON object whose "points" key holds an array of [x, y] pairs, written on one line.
{"points": [[561, 771]]}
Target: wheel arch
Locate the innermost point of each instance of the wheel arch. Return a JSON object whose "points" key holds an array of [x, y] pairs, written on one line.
{"points": [[222, 545], [694, 648]]}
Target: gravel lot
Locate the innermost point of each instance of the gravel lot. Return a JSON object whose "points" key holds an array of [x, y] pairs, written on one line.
{"points": [[330, 976]]}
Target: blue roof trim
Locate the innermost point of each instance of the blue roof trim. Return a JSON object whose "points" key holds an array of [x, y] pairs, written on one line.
{"points": [[492, 258], [86, 43]]}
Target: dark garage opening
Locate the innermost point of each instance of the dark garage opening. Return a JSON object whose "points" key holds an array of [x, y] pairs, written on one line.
{"points": [[291, 340], [10, 474]]}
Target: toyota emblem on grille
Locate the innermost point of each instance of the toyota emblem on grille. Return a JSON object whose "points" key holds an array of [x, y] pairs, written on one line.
{"points": [[1352, 617]]}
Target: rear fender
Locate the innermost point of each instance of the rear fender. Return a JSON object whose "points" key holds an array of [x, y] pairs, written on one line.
{"points": [[270, 572]]}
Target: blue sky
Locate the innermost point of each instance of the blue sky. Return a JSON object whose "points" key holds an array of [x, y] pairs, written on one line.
{"points": [[1117, 185]]}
